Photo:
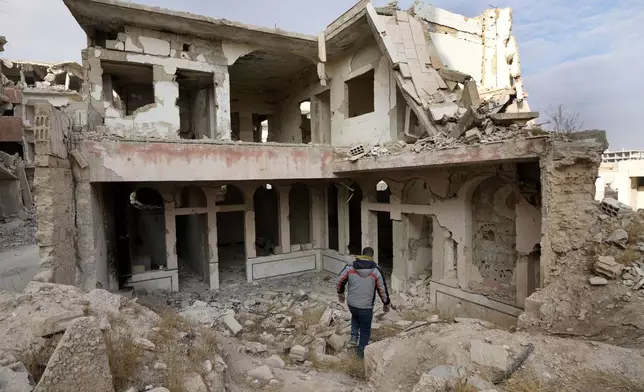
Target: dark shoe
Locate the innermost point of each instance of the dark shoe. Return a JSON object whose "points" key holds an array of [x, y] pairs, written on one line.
{"points": [[353, 342]]}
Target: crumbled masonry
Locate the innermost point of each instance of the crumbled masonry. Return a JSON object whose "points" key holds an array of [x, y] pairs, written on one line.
{"points": [[199, 183]]}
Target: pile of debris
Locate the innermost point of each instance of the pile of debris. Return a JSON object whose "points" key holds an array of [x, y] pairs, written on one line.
{"points": [[600, 295], [66, 76]]}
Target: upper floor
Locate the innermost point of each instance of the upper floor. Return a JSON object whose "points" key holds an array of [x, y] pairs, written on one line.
{"points": [[374, 75]]}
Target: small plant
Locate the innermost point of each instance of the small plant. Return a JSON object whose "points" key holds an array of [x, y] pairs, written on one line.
{"points": [[124, 358], [629, 256]]}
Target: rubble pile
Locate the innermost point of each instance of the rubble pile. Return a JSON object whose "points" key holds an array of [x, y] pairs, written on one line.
{"points": [[54, 77], [602, 297]]}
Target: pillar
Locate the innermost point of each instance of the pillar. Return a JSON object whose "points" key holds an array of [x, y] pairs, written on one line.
{"points": [[319, 220], [222, 103], [369, 229], [285, 224], [343, 219], [399, 273], [170, 235], [213, 253]]}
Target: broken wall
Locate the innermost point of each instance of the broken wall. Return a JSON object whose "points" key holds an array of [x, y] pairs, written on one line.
{"points": [[373, 127], [165, 53], [483, 47]]}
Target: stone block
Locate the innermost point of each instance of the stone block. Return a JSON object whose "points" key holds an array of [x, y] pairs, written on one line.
{"points": [[473, 135], [232, 324], [80, 361], [607, 266], [597, 281], [261, 373], [489, 355], [275, 361], [513, 118], [319, 346], [327, 317], [11, 381], [469, 120], [470, 95], [337, 342], [299, 353]]}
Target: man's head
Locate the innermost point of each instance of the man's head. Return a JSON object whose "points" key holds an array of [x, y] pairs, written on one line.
{"points": [[367, 252]]}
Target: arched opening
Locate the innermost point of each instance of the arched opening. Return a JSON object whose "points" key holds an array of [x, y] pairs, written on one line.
{"points": [[385, 229], [192, 196], [420, 229], [193, 250], [299, 202], [355, 220], [494, 238], [146, 232], [267, 215], [332, 217], [231, 235]]}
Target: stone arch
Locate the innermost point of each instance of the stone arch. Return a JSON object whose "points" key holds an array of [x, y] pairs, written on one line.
{"points": [[192, 196], [416, 191], [267, 217], [230, 195], [299, 201]]}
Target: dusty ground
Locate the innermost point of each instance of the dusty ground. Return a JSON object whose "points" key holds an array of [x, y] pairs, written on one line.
{"points": [[15, 232]]}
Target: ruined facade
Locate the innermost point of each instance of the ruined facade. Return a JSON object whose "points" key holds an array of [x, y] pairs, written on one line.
{"points": [[250, 153], [621, 176]]}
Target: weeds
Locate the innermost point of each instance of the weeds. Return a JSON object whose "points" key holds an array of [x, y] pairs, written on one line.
{"points": [[124, 358], [384, 332], [587, 381]]}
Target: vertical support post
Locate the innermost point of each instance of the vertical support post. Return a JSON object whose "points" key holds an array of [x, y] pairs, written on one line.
{"points": [[213, 253], [343, 220], [222, 103], [318, 219], [285, 223]]}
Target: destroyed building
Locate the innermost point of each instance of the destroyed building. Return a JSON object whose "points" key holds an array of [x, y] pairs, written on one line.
{"points": [[242, 153], [621, 176]]}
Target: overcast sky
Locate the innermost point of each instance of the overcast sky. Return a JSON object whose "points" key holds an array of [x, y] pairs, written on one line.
{"points": [[585, 54]]}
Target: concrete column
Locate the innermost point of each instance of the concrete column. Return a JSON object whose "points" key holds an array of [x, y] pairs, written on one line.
{"points": [[319, 218], [222, 103], [400, 271], [369, 229], [521, 279], [170, 236], [213, 254], [212, 114], [108, 89], [285, 224], [343, 220]]}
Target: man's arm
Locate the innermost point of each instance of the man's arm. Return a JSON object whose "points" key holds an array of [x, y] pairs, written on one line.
{"points": [[343, 278], [381, 286]]}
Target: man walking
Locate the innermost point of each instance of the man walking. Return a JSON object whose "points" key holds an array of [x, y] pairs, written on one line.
{"points": [[364, 278]]}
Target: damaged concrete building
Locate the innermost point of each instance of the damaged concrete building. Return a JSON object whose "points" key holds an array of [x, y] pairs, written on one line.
{"points": [[239, 153], [621, 176]]}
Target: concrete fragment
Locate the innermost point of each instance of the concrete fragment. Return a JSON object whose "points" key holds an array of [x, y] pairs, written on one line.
{"points": [[194, 383], [469, 120], [319, 346], [453, 75], [275, 361], [79, 158], [597, 281], [58, 323], [473, 135], [607, 266], [337, 342], [11, 381], [489, 355], [231, 323], [327, 316], [144, 344], [101, 301], [261, 373], [613, 207], [80, 361], [639, 284], [439, 111], [513, 118], [330, 360], [618, 237], [299, 353], [470, 95]]}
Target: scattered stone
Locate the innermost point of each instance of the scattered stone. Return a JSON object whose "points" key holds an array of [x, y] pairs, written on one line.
{"points": [[619, 238], [194, 383], [404, 323], [328, 360], [58, 323], [79, 362], [299, 353], [337, 342], [159, 389], [275, 361], [607, 266], [144, 344], [160, 366], [639, 284], [204, 315], [255, 347], [231, 323], [12, 381], [261, 373], [598, 281], [489, 355], [326, 318], [249, 302], [473, 136]]}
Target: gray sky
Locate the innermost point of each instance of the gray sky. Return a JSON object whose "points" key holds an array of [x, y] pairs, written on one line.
{"points": [[584, 54]]}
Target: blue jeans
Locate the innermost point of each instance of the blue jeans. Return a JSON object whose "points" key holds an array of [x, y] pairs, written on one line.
{"points": [[361, 327]]}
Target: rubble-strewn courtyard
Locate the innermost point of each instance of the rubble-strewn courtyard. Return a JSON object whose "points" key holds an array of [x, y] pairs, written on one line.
{"points": [[192, 189]]}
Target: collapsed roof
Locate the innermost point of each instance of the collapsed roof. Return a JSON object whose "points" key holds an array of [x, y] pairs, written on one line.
{"points": [[58, 76]]}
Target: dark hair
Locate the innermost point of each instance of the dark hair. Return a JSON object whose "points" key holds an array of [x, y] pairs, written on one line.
{"points": [[367, 252]]}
